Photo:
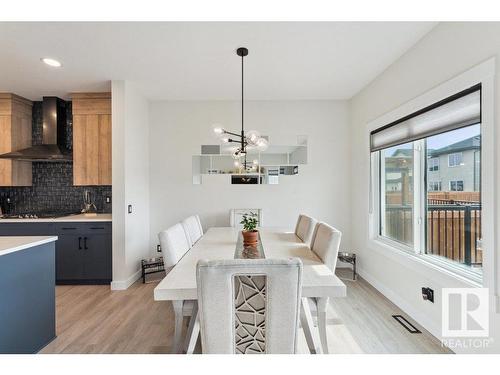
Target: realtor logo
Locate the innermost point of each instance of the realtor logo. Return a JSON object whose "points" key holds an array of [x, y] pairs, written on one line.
{"points": [[465, 312]]}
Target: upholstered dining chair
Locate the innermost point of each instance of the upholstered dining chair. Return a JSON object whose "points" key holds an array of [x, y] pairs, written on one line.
{"points": [[192, 227], [249, 306], [305, 228], [174, 245], [325, 244]]}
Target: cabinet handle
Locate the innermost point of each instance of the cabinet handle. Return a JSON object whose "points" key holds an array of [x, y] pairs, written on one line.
{"points": [[79, 243], [97, 228], [68, 228], [85, 243]]}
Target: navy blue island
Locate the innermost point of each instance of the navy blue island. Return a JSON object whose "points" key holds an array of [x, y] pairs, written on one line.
{"points": [[27, 293]]}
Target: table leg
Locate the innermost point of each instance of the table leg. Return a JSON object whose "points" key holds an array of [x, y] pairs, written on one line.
{"points": [[354, 270], [193, 330], [178, 324], [306, 321], [322, 307]]}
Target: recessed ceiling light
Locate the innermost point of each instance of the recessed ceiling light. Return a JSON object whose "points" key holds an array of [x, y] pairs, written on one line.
{"points": [[51, 62]]}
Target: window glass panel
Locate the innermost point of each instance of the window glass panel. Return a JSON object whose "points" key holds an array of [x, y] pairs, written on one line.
{"points": [[397, 189], [453, 223]]}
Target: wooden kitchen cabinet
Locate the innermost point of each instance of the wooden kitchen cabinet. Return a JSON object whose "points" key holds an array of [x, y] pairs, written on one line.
{"points": [[91, 138], [15, 134]]}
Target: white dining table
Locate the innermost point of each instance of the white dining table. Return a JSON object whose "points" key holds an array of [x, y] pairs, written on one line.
{"points": [[318, 281]]}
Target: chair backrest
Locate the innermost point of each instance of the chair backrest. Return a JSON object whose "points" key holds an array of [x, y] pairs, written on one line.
{"points": [[249, 305], [326, 243], [174, 244], [193, 229], [305, 228], [236, 215]]}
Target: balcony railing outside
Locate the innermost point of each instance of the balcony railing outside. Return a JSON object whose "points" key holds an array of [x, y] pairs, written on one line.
{"points": [[453, 228]]}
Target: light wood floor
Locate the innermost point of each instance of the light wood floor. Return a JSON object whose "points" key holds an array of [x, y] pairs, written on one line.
{"points": [[94, 319]]}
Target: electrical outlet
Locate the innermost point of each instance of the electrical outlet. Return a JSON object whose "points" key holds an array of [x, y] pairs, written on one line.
{"points": [[428, 294], [129, 208], [108, 199], [158, 248]]}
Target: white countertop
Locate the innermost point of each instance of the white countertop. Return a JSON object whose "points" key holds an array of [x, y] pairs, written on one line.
{"points": [[10, 244], [71, 218]]}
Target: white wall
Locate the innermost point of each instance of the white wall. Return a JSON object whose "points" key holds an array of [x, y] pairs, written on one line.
{"points": [[322, 187], [130, 182], [449, 49]]}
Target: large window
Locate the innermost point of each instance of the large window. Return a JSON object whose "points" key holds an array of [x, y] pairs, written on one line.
{"points": [[427, 207]]}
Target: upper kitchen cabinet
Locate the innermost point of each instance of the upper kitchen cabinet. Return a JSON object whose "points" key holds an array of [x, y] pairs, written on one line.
{"points": [[15, 134], [91, 138]]}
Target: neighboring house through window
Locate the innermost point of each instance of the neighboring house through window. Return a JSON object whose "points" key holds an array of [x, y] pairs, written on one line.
{"points": [[433, 164], [456, 186], [455, 159], [435, 186]]}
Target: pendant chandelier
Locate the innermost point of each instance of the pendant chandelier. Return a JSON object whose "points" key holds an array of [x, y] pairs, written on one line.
{"points": [[246, 141]]}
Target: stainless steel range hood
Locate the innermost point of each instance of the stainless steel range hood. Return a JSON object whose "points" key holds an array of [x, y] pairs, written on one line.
{"points": [[53, 147]]}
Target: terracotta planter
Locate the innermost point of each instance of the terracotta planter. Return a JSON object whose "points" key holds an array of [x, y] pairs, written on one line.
{"points": [[250, 238]]}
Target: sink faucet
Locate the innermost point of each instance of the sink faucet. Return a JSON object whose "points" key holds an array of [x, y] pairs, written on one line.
{"points": [[88, 206]]}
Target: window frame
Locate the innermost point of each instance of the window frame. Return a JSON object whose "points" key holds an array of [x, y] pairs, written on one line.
{"points": [[483, 74], [418, 249]]}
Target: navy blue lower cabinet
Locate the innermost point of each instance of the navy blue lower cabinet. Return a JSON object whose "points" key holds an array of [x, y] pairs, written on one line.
{"points": [[84, 253], [83, 250], [97, 257], [27, 229], [27, 303], [69, 258]]}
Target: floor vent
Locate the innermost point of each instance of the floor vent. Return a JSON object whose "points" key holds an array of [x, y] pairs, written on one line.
{"points": [[405, 323]]}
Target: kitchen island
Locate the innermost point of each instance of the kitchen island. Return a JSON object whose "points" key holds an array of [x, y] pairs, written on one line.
{"points": [[27, 290]]}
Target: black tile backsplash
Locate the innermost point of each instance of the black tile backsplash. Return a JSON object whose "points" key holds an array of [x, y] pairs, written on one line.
{"points": [[53, 188]]}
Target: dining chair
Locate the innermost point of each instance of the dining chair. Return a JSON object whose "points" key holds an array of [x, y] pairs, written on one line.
{"points": [[305, 228], [325, 244], [249, 306], [192, 227], [175, 244]]}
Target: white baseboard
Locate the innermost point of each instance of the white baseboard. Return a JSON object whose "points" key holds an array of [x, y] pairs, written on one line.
{"points": [[400, 302], [124, 284]]}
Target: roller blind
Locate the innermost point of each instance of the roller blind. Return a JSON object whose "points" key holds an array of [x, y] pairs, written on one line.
{"points": [[455, 112]]}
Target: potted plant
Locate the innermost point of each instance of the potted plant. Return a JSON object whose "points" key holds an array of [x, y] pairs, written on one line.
{"points": [[250, 232]]}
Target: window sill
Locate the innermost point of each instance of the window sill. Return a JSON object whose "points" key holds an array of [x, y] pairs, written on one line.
{"points": [[393, 251]]}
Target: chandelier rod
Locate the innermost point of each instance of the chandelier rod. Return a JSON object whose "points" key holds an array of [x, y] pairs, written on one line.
{"points": [[242, 106]]}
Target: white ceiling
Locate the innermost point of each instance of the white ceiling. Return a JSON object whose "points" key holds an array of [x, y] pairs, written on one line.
{"points": [[188, 61]]}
